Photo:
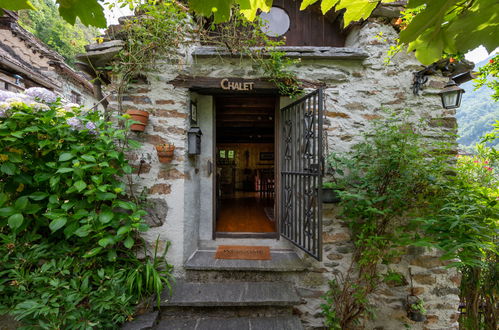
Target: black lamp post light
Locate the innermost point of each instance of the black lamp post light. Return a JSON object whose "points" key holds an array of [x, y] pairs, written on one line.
{"points": [[451, 95]]}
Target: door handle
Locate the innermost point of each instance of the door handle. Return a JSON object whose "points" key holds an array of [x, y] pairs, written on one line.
{"points": [[209, 167]]}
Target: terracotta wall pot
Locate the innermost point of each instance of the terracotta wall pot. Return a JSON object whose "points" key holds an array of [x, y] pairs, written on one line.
{"points": [[140, 116], [165, 152]]}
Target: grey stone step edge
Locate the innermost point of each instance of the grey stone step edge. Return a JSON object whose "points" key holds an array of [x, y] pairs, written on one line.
{"points": [[240, 323], [230, 294], [281, 261]]}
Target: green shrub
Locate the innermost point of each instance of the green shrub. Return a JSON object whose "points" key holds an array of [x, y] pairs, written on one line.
{"points": [[388, 177], [67, 226], [465, 227]]}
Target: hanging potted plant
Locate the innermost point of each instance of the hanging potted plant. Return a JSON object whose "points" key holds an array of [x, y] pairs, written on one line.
{"points": [[415, 305], [415, 308], [165, 153], [141, 117]]}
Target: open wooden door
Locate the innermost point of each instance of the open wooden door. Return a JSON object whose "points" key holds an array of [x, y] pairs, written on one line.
{"points": [[301, 167]]}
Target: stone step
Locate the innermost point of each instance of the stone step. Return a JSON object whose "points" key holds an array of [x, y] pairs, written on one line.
{"points": [[281, 261], [239, 323], [231, 294]]}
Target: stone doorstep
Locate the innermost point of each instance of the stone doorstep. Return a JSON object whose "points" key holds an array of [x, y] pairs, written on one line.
{"points": [[230, 294], [239, 323], [282, 261]]}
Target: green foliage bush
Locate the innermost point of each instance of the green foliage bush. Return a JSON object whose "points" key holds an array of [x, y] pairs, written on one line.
{"points": [[388, 178], [465, 226], [67, 226], [402, 190]]}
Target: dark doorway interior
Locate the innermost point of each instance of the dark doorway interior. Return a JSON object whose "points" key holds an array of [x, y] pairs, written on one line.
{"points": [[245, 180]]}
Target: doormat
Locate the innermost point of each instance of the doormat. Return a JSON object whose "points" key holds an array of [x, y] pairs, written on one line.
{"points": [[243, 252]]}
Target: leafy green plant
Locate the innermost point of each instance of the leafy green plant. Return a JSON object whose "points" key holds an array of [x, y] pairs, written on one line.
{"points": [[390, 175], [67, 223], [152, 276], [488, 76], [394, 278], [158, 32], [333, 185], [60, 174], [331, 320], [335, 164], [46, 289], [276, 67], [418, 307], [465, 227]]}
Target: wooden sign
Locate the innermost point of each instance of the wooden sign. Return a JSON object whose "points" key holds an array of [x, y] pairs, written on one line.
{"points": [[226, 84], [217, 85]]}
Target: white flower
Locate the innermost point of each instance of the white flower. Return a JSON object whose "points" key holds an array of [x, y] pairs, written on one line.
{"points": [[4, 106], [4, 109], [39, 106], [15, 102], [71, 106]]}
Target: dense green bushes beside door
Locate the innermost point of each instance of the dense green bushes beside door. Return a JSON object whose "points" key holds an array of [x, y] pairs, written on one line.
{"points": [[68, 228], [401, 189]]}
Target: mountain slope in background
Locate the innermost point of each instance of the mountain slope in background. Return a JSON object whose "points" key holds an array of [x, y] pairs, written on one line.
{"points": [[476, 114], [46, 24]]}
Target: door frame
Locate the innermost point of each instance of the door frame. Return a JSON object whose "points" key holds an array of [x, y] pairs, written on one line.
{"points": [[274, 235]]}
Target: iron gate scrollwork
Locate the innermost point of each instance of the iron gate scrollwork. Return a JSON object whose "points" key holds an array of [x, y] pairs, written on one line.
{"points": [[301, 167]]}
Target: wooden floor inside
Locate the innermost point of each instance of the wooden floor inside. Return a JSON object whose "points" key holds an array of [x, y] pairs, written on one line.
{"points": [[246, 213]]}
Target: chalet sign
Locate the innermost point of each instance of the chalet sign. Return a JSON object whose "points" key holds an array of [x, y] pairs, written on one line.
{"points": [[229, 85]]}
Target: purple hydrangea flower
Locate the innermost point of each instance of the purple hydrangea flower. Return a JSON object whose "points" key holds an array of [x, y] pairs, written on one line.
{"points": [[3, 113], [91, 127], [75, 123], [4, 95], [42, 94]]}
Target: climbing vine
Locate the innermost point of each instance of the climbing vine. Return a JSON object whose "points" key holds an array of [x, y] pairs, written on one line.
{"points": [[246, 39], [163, 31]]}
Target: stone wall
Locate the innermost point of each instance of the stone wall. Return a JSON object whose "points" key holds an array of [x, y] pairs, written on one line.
{"points": [[356, 92], [435, 284], [163, 183]]}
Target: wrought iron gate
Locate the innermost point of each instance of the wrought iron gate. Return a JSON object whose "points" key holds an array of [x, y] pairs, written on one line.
{"points": [[301, 165]]}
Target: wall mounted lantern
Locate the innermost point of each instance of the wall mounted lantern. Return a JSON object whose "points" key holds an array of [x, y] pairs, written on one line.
{"points": [[194, 141], [451, 95], [18, 79]]}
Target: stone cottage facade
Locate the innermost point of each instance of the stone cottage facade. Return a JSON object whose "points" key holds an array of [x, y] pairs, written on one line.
{"points": [[27, 62], [186, 196]]}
